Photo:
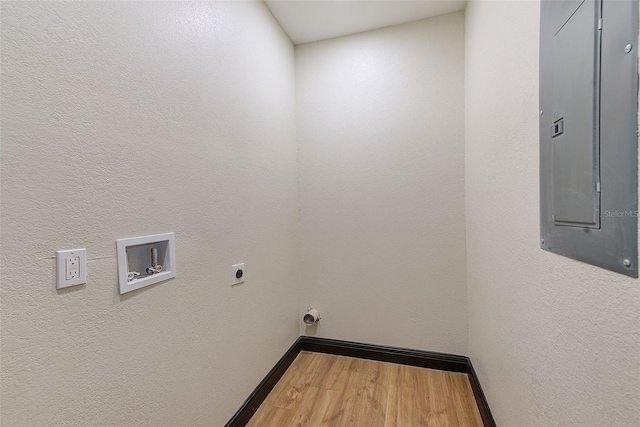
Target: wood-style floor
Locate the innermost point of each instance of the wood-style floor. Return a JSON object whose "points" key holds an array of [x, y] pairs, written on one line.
{"points": [[333, 391]]}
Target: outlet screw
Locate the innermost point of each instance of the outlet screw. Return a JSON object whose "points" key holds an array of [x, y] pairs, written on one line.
{"points": [[626, 263], [628, 48]]}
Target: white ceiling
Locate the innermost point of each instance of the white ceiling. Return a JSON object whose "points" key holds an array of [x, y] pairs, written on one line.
{"points": [[312, 20]]}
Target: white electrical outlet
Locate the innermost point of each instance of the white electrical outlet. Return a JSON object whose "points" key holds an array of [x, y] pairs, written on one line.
{"points": [[71, 268], [238, 273]]}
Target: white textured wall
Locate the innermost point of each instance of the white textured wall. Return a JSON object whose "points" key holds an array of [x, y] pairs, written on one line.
{"points": [[555, 342], [122, 119], [126, 119], [381, 159]]}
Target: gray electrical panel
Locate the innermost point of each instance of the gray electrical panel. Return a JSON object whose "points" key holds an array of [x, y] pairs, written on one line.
{"points": [[588, 131]]}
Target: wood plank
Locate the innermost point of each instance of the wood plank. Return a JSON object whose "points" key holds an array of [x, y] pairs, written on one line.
{"points": [[471, 406], [323, 390], [465, 404], [312, 408], [351, 401], [292, 372], [306, 365], [335, 409], [330, 368], [358, 365], [391, 414], [438, 400], [413, 398], [377, 382], [271, 416]]}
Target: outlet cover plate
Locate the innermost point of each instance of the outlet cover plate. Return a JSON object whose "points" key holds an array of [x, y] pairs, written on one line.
{"points": [[68, 259], [235, 268]]}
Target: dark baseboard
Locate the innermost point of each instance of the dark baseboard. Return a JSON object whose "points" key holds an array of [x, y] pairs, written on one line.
{"points": [[481, 400], [403, 356], [255, 399]]}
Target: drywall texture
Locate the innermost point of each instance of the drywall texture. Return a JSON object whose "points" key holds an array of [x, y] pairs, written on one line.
{"points": [[555, 342], [381, 161], [122, 119]]}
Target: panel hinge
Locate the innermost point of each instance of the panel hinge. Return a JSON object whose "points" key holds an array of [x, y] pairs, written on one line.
{"points": [[600, 23], [597, 187]]}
